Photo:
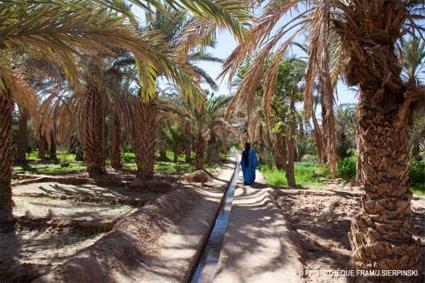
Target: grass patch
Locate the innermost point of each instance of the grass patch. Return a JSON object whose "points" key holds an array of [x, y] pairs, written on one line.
{"points": [[66, 164], [418, 190], [163, 167], [307, 173], [170, 167], [46, 168], [173, 168]]}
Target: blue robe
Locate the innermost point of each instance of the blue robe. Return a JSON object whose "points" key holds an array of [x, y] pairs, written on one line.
{"points": [[248, 167]]}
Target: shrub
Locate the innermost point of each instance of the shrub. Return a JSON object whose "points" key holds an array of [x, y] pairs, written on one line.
{"points": [[417, 173], [346, 168], [129, 157]]}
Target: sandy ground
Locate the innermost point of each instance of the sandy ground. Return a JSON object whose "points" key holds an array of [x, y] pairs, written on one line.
{"points": [[145, 227], [54, 222], [321, 221], [257, 247], [158, 243]]}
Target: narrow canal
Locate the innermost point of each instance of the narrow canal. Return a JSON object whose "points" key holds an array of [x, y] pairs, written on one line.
{"points": [[205, 271]]}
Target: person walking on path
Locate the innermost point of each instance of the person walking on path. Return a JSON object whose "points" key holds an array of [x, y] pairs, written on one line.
{"points": [[249, 164]]}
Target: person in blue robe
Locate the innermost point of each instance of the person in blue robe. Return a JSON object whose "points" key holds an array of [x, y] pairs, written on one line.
{"points": [[249, 164]]}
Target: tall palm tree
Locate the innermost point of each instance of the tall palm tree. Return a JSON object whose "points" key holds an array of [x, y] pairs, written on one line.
{"points": [[284, 116], [365, 34], [179, 34], [55, 30]]}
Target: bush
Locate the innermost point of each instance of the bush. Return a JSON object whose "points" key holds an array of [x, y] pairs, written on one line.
{"points": [[417, 173], [346, 168], [129, 157]]}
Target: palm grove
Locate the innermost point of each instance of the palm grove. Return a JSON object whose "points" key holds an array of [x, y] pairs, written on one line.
{"points": [[76, 68]]}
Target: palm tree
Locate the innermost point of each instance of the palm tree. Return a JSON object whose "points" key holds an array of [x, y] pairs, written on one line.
{"points": [[178, 35], [173, 136], [54, 31], [204, 121], [284, 116], [116, 141], [365, 33]]}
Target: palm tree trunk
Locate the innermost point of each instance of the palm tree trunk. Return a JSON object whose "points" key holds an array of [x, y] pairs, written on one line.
{"points": [[162, 154], [199, 152], [359, 177], [42, 146], [22, 141], [188, 144], [144, 140], [176, 155], [79, 154], [6, 160], [115, 150], [285, 156], [212, 154], [279, 151], [93, 134], [224, 144], [328, 115], [52, 151], [290, 142], [318, 137], [382, 233], [290, 168]]}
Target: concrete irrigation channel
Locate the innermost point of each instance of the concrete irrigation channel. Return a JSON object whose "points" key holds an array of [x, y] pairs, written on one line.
{"points": [[207, 265]]}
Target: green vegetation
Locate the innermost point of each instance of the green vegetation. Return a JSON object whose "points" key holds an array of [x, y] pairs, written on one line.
{"points": [[46, 168], [309, 174], [163, 167], [65, 164], [346, 168], [417, 176]]}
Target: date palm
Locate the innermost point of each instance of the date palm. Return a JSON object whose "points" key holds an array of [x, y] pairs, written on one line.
{"points": [[57, 31], [205, 121], [365, 34], [186, 39]]}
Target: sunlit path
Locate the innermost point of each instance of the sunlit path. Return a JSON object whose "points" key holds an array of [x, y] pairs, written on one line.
{"points": [[257, 245]]}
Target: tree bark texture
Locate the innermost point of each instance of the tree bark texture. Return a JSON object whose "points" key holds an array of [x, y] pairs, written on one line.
{"points": [[93, 132], [6, 160], [144, 139], [115, 150], [52, 150], [42, 146], [381, 234], [199, 152], [285, 157], [328, 115], [188, 144], [318, 138], [279, 151], [22, 139]]}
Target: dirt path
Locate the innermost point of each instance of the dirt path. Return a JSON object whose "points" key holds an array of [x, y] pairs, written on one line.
{"points": [[257, 246]]}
